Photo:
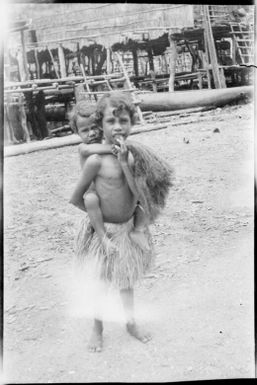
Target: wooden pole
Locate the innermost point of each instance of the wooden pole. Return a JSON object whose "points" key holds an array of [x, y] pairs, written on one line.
{"points": [[172, 51], [108, 60], [115, 75], [62, 61], [78, 54], [22, 73], [23, 117], [135, 61], [150, 56], [37, 63], [54, 64], [24, 57]]}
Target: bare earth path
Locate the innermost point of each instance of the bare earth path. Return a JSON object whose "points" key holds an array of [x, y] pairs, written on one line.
{"points": [[199, 296]]}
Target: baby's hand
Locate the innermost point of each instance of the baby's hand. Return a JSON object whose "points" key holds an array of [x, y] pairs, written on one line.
{"points": [[122, 151]]}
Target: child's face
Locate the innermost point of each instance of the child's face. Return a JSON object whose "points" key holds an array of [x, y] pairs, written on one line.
{"points": [[115, 123], [88, 130]]}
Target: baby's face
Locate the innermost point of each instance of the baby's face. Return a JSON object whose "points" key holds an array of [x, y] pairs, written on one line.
{"points": [[116, 124], [88, 130]]}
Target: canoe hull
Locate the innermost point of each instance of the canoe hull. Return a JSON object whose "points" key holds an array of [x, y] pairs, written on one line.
{"points": [[168, 101]]}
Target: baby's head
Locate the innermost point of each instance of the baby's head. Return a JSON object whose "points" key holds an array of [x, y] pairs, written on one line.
{"points": [[116, 114], [83, 123]]}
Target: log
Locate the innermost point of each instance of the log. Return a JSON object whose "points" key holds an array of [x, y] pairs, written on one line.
{"points": [[147, 127], [47, 144], [69, 140], [178, 100], [184, 111]]}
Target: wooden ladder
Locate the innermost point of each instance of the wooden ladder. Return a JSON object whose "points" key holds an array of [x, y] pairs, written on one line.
{"points": [[131, 88], [217, 70], [243, 37], [87, 89]]}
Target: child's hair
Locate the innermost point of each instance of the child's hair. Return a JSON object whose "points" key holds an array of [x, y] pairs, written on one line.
{"points": [[119, 100], [82, 108]]}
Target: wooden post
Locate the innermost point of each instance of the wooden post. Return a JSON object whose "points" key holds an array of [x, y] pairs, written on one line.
{"points": [[78, 53], [23, 76], [83, 60], [23, 117], [233, 43], [62, 61], [135, 61], [37, 63], [108, 60], [150, 56], [54, 64], [172, 51], [8, 128], [24, 57]]}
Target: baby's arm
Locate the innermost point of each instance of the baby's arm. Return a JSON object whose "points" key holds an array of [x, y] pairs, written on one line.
{"points": [[85, 150], [89, 172]]}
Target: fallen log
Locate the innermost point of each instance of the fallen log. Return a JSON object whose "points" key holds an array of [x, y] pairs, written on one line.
{"points": [[184, 111], [47, 144], [178, 100], [68, 140]]}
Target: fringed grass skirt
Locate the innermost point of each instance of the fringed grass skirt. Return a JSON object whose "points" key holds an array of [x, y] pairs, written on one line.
{"points": [[122, 269]]}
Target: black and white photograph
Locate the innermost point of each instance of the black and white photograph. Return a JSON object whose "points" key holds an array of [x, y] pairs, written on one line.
{"points": [[128, 192]]}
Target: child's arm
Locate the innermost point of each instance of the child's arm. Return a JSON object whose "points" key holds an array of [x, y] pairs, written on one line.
{"points": [[85, 150], [89, 172]]}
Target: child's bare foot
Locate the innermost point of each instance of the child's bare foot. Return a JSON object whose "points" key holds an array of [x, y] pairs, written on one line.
{"points": [[140, 239], [133, 330], [96, 342]]}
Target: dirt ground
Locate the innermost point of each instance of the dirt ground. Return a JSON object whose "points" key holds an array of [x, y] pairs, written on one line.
{"points": [[198, 301]]}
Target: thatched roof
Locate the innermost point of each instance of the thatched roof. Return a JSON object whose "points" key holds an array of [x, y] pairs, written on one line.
{"points": [[104, 24]]}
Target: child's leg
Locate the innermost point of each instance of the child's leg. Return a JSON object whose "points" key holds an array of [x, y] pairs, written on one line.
{"points": [[138, 233], [96, 339], [92, 206], [127, 296]]}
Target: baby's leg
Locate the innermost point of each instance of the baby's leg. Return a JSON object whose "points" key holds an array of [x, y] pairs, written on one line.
{"points": [[138, 233], [92, 206], [127, 297]]}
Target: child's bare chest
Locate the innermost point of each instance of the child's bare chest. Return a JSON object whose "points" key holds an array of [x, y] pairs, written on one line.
{"points": [[111, 171]]}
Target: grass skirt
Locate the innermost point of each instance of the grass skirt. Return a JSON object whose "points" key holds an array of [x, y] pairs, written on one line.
{"points": [[122, 269]]}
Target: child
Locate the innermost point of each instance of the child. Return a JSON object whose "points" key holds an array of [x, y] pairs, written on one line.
{"points": [[116, 115], [83, 122]]}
